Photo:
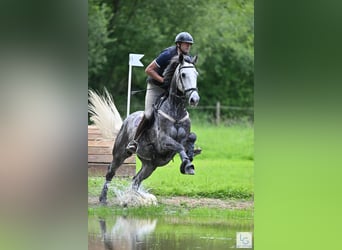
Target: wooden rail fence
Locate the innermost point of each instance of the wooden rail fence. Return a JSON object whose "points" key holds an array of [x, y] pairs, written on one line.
{"points": [[100, 156]]}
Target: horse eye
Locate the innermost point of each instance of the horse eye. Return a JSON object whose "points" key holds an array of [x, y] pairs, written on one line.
{"points": [[183, 75]]}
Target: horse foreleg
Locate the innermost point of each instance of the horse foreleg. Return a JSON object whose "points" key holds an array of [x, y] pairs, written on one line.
{"points": [[145, 171], [186, 167], [190, 145], [118, 158], [109, 176]]}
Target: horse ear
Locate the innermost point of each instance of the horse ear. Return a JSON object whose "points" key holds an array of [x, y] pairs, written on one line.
{"points": [[194, 59]]}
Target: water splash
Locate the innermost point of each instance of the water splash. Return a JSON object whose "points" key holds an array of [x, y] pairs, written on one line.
{"points": [[129, 197]]}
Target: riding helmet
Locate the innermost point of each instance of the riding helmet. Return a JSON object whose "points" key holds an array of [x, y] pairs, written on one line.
{"points": [[184, 37]]}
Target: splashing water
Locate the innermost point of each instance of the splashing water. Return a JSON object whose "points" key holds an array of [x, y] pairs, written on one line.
{"points": [[128, 197]]}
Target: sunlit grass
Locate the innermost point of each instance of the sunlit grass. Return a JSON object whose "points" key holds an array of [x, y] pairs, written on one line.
{"points": [[234, 142], [214, 179], [225, 169]]}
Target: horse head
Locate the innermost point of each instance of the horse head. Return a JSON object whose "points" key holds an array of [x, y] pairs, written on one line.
{"points": [[186, 79]]}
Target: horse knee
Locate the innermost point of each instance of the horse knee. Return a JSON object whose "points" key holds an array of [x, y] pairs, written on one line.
{"points": [[110, 173], [109, 176], [192, 137]]}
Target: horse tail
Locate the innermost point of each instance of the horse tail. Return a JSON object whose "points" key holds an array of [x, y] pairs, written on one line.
{"points": [[104, 114]]}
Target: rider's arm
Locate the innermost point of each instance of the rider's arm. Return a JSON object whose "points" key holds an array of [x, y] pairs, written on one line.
{"points": [[151, 70]]}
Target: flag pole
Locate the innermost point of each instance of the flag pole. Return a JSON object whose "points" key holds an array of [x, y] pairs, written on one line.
{"points": [[134, 60], [129, 89]]}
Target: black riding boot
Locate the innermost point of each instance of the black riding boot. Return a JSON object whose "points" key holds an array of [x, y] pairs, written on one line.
{"points": [[132, 145]]}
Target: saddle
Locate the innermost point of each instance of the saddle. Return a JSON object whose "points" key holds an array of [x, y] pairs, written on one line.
{"points": [[160, 101]]}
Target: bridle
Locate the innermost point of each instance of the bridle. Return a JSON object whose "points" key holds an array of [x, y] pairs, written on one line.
{"points": [[181, 80], [186, 117]]}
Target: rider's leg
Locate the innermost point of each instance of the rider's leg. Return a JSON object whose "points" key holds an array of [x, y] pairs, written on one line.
{"points": [[132, 145], [153, 92]]}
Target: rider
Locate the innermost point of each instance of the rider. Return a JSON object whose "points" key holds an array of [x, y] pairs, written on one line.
{"points": [[155, 81]]}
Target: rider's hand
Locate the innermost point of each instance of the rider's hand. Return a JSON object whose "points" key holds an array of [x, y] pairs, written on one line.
{"points": [[165, 85]]}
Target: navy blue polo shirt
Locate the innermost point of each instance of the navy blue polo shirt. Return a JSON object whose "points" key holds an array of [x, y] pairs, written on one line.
{"points": [[164, 59]]}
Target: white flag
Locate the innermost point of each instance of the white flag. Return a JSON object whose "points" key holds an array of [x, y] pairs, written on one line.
{"points": [[134, 60]]}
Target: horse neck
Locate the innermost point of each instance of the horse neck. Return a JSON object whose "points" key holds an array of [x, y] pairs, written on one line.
{"points": [[176, 100]]}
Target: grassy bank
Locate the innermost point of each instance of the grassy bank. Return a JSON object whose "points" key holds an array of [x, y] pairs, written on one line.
{"points": [[205, 215], [224, 170]]}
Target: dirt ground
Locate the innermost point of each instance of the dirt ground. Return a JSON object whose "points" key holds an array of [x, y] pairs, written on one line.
{"points": [[205, 202], [190, 202]]}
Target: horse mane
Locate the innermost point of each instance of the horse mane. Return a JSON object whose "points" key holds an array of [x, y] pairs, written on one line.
{"points": [[170, 69]]}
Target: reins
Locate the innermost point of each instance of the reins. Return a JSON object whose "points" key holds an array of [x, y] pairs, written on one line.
{"points": [[181, 95]]}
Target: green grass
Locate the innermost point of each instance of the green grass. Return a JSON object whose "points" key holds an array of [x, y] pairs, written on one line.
{"points": [[224, 170], [205, 215]]}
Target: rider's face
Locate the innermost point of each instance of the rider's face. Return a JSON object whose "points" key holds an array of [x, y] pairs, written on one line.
{"points": [[185, 47]]}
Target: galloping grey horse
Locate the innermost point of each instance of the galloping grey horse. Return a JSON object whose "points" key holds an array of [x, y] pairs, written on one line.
{"points": [[169, 132]]}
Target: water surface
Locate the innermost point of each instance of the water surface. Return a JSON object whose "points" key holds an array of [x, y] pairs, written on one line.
{"points": [[167, 233]]}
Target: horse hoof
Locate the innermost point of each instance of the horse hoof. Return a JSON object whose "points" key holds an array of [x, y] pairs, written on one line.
{"points": [[182, 167], [190, 170], [187, 168], [103, 201]]}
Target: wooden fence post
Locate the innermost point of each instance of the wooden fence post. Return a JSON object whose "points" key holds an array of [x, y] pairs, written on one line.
{"points": [[218, 113]]}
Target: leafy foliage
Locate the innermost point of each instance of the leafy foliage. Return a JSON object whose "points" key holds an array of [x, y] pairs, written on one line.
{"points": [[98, 36], [223, 31]]}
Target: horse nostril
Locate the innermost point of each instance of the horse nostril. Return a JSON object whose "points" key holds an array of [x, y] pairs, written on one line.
{"points": [[194, 99], [193, 102]]}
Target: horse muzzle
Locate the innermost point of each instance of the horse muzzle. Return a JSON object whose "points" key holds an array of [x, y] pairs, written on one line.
{"points": [[194, 98]]}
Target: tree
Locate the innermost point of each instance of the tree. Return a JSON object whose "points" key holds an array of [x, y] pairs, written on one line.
{"points": [[99, 16], [223, 31]]}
